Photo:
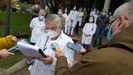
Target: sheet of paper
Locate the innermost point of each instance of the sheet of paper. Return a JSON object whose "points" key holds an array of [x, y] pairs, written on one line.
{"points": [[28, 50]]}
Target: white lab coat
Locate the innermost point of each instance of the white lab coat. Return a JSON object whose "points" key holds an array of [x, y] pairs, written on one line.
{"points": [[38, 28], [67, 23], [92, 13], [73, 17], [40, 68], [89, 29], [79, 17]]}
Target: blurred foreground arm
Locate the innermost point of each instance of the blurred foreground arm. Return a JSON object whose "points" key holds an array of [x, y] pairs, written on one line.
{"points": [[5, 54], [8, 41]]}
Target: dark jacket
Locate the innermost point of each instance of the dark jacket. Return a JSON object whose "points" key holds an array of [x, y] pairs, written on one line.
{"points": [[102, 21], [115, 59]]}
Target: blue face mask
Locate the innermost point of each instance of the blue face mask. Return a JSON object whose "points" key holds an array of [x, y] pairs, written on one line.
{"points": [[109, 33], [41, 18]]}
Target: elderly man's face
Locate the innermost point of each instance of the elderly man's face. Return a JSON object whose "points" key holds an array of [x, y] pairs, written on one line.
{"points": [[52, 30], [50, 25]]}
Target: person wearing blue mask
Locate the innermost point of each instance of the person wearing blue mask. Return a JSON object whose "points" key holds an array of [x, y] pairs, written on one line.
{"points": [[114, 58], [37, 26]]}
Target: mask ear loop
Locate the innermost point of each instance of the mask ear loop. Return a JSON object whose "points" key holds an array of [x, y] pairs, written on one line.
{"points": [[121, 25], [113, 26], [124, 21]]}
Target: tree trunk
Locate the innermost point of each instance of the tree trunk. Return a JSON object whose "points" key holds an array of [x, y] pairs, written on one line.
{"points": [[7, 26]]}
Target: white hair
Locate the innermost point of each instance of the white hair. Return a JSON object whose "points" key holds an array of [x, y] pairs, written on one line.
{"points": [[125, 10], [55, 19]]}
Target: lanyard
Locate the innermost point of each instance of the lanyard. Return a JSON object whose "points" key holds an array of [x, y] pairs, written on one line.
{"points": [[45, 44]]}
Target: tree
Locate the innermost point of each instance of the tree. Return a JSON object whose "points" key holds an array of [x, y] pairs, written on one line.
{"points": [[7, 26], [3, 4]]}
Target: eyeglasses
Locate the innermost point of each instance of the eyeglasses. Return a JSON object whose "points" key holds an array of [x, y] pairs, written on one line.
{"points": [[117, 21], [50, 25], [117, 24]]}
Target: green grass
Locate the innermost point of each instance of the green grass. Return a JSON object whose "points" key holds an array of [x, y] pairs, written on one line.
{"points": [[6, 63], [19, 24]]}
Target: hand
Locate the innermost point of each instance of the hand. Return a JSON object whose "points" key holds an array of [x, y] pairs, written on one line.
{"points": [[82, 50], [48, 60], [29, 58], [5, 54], [87, 35], [59, 54], [14, 39]]}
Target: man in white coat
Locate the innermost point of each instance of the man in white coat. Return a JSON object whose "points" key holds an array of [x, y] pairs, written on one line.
{"points": [[79, 19], [37, 27], [73, 18], [67, 22], [46, 66], [88, 32]]}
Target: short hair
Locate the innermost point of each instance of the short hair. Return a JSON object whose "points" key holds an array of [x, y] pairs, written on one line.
{"points": [[42, 11], [130, 11], [125, 10], [57, 20]]}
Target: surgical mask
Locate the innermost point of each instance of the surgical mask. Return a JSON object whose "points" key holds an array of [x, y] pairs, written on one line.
{"points": [[41, 18], [91, 20], [74, 8], [109, 33], [59, 13], [51, 33], [65, 10], [109, 13], [80, 9], [103, 14]]}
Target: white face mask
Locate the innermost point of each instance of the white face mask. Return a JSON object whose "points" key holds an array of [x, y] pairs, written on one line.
{"points": [[103, 14], [51, 33], [41, 18], [74, 8], [65, 10], [59, 13]]}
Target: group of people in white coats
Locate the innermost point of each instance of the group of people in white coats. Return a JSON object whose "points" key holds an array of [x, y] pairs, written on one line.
{"points": [[72, 19], [73, 22]]}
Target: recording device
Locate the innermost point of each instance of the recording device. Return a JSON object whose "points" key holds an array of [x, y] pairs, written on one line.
{"points": [[41, 52], [73, 46], [54, 46]]}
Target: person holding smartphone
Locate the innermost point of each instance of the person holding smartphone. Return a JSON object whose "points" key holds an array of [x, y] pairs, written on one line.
{"points": [[114, 58]]}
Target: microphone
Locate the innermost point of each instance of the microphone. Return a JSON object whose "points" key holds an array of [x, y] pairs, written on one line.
{"points": [[41, 52], [55, 47]]}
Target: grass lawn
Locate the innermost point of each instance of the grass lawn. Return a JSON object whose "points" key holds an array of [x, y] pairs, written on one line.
{"points": [[6, 63], [19, 24]]}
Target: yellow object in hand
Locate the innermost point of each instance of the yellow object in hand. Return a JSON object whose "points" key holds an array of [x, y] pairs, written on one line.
{"points": [[57, 49]]}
